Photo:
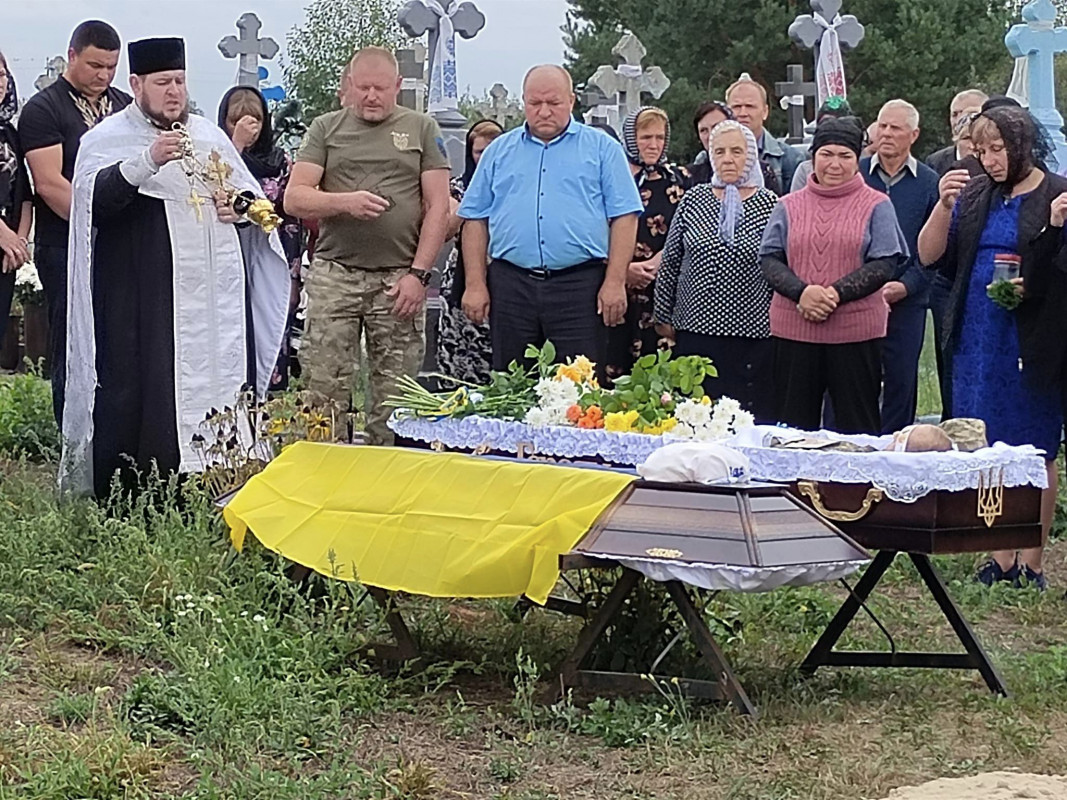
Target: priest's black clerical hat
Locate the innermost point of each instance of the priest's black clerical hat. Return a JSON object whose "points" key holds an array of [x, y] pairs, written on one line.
{"points": [[156, 55]]}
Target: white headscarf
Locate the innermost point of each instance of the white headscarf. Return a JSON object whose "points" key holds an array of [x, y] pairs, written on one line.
{"points": [[731, 210]]}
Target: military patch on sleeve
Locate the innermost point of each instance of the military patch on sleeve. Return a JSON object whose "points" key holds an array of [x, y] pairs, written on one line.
{"points": [[441, 146]]}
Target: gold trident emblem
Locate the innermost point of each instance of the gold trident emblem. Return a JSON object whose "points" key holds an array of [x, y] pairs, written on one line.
{"points": [[990, 496]]}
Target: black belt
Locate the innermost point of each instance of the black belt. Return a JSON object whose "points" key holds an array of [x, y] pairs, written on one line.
{"points": [[544, 273]]}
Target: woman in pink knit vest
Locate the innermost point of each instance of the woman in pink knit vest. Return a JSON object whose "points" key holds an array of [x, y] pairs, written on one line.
{"points": [[827, 252]]}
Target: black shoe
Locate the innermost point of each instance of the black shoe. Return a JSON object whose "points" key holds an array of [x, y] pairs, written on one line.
{"points": [[991, 572], [1027, 578]]}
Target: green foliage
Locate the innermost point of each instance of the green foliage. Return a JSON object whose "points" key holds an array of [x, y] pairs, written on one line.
{"points": [[655, 376], [318, 50], [921, 51], [27, 426], [1004, 294]]}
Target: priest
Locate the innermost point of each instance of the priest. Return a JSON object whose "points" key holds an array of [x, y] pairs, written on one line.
{"points": [[176, 300]]}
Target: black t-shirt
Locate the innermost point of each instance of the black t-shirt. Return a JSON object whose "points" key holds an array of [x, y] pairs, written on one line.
{"points": [[58, 114], [14, 183]]}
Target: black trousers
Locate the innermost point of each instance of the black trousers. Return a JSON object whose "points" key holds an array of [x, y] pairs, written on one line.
{"points": [[745, 369], [850, 373], [51, 261], [901, 348], [526, 309], [7, 291]]}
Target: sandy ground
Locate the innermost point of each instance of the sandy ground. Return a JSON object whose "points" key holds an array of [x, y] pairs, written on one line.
{"points": [[990, 786]]}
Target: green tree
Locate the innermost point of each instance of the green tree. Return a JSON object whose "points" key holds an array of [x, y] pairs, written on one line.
{"points": [[919, 50], [332, 32]]}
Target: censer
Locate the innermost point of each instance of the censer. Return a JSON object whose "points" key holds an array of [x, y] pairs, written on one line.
{"points": [[215, 175]]}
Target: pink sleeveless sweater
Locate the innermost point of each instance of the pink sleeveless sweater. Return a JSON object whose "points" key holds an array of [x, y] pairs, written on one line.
{"points": [[827, 227]]}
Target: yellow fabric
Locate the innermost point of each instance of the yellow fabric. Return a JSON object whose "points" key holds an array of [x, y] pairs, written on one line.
{"points": [[443, 525]]}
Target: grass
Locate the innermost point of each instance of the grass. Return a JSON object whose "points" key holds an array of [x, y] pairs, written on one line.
{"points": [[140, 659]]}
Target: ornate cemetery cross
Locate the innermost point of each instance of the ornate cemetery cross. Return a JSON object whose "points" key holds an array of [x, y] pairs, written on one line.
{"points": [[499, 108], [1038, 40], [412, 63], [792, 93], [624, 84], [248, 49], [442, 20], [55, 67], [827, 33]]}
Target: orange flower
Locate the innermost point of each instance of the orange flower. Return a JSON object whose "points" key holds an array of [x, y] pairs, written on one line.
{"points": [[574, 413], [592, 418]]}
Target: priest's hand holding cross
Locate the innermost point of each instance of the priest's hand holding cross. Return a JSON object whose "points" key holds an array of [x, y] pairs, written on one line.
{"points": [[166, 148], [224, 208]]}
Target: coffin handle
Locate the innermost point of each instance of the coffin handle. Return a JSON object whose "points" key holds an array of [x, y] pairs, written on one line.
{"points": [[810, 490]]}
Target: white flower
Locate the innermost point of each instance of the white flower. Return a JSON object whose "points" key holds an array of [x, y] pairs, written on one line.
{"points": [[727, 405], [476, 397], [26, 275], [236, 678], [182, 613], [258, 618], [244, 613]]}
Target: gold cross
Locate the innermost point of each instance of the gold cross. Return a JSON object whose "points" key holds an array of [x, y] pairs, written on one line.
{"points": [[195, 200]]}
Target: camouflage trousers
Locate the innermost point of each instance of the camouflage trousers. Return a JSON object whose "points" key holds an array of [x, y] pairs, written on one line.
{"points": [[345, 305]]}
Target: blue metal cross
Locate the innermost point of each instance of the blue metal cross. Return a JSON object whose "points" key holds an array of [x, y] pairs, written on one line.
{"points": [[1038, 39]]}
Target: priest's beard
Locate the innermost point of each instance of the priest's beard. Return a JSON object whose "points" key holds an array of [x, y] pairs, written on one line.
{"points": [[160, 120]]}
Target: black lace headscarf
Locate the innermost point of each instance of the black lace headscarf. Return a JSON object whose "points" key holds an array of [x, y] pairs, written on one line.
{"points": [[9, 103], [1025, 140]]}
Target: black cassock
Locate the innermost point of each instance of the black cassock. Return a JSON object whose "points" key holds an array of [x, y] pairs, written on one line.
{"points": [[133, 304]]}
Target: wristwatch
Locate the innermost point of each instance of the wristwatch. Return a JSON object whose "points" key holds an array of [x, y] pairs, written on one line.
{"points": [[423, 275]]}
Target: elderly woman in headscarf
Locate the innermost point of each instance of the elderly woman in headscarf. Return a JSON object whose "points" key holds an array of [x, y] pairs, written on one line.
{"points": [[710, 293], [827, 252], [1008, 364], [16, 211], [464, 348], [646, 135], [244, 115]]}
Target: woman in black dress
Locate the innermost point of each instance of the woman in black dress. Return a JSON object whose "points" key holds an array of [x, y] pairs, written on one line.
{"points": [[16, 211], [646, 136], [464, 349]]}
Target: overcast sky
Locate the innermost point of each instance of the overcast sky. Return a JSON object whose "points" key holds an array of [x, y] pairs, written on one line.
{"points": [[517, 35]]}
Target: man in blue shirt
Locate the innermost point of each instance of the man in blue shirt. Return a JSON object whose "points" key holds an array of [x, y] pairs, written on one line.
{"points": [[555, 208]]}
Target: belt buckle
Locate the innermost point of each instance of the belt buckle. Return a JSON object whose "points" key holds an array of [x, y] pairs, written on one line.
{"points": [[540, 273]]}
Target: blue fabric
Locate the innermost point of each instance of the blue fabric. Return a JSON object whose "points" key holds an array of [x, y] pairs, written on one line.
{"points": [[987, 382], [914, 198], [549, 204]]}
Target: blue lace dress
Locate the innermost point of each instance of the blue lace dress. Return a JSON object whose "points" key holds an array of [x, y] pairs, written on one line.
{"points": [[988, 381]]}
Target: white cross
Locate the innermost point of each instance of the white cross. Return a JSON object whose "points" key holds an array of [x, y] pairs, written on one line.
{"points": [[625, 84]]}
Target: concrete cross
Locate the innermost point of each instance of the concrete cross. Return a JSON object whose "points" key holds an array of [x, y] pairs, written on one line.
{"points": [[807, 31], [248, 49], [793, 93], [55, 67], [412, 64], [499, 108], [416, 18], [1038, 40], [626, 83]]}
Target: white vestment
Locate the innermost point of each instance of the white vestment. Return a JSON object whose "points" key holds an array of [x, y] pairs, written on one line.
{"points": [[212, 282]]}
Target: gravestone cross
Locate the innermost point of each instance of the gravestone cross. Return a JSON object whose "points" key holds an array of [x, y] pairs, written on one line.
{"points": [[1038, 40], [827, 33], [53, 68], [412, 64], [499, 108], [248, 49], [441, 20], [624, 84], [793, 93]]}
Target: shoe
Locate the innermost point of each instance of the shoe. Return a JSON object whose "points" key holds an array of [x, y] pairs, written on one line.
{"points": [[1027, 578], [991, 572]]}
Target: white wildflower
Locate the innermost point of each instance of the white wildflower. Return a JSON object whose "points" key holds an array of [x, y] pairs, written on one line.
{"points": [[244, 613], [258, 618], [236, 678], [182, 612]]}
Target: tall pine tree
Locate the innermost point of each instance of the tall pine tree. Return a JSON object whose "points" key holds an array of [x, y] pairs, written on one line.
{"points": [[920, 50]]}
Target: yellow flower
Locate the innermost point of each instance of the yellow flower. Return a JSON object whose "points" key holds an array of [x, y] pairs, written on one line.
{"points": [[660, 427], [705, 400], [620, 421], [584, 367]]}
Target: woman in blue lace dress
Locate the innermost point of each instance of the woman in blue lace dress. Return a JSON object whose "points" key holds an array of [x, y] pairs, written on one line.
{"points": [[1007, 365]]}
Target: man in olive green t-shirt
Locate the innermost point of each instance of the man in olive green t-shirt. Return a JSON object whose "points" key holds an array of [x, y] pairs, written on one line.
{"points": [[376, 176]]}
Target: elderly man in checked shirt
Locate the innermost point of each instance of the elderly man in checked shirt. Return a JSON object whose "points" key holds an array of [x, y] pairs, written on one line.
{"points": [[553, 209]]}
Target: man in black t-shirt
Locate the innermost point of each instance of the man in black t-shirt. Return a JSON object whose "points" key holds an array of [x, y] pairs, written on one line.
{"points": [[52, 124]]}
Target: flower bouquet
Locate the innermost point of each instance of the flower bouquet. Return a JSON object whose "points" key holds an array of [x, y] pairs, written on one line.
{"points": [[28, 288], [662, 396]]}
